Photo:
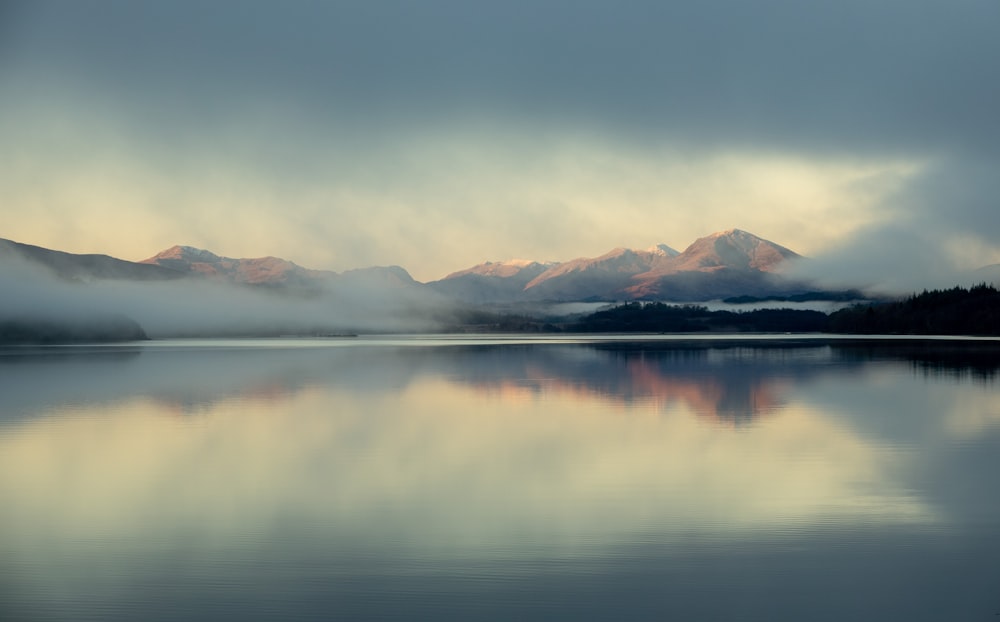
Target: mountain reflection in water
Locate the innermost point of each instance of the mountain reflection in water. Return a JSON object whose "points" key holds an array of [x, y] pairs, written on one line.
{"points": [[458, 480], [726, 381]]}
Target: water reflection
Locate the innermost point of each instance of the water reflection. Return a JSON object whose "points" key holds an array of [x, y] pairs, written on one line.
{"points": [[733, 382], [132, 468]]}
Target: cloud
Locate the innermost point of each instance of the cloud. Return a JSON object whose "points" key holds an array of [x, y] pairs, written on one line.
{"points": [[461, 483], [442, 134], [891, 75], [936, 230], [185, 308], [433, 200]]}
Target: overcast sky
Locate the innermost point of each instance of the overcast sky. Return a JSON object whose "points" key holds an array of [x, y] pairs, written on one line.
{"points": [[438, 134]]}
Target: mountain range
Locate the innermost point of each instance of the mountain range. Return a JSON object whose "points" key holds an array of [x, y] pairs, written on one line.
{"points": [[728, 263], [723, 264], [89, 267]]}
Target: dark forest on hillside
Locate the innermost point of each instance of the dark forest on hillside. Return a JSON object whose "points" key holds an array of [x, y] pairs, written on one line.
{"points": [[956, 311], [658, 317]]}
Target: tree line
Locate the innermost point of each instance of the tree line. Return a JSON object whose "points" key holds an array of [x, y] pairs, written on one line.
{"points": [[956, 311]]}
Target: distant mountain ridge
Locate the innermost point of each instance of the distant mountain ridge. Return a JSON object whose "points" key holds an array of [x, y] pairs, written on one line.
{"points": [[736, 259], [599, 277], [255, 271], [503, 269], [724, 264], [493, 281], [715, 266], [88, 267]]}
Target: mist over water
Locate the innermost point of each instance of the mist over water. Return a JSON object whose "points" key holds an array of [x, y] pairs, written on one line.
{"points": [[199, 307]]}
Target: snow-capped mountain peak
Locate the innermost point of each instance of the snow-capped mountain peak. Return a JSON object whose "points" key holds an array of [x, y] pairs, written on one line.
{"points": [[502, 269], [184, 253], [663, 250]]}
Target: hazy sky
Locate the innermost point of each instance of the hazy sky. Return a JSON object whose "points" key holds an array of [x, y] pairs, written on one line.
{"points": [[438, 134]]}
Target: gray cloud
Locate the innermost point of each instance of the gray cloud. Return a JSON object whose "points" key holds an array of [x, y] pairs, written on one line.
{"points": [[963, 193], [854, 75], [937, 231], [193, 308]]}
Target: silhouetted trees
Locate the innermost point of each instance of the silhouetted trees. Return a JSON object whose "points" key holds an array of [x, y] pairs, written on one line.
{"points": [[955, 311], [101, 328], [646, 317], [658, 317]]}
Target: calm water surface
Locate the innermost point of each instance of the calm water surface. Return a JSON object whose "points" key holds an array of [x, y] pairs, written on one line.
{"points": [[501, 478]]}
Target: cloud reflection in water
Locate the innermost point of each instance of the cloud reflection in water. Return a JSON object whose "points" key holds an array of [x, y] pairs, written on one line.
{"points": [[459, 453]]}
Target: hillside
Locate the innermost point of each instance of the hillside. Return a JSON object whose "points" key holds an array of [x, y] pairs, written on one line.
{"points": [[256, 271], [490, 282], [88, 267], [724, 264], [83, 329], [599, 278], [956, 311], [718, 266]]}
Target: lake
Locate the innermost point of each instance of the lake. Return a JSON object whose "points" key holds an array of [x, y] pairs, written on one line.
{"points": [[499, 478]]}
